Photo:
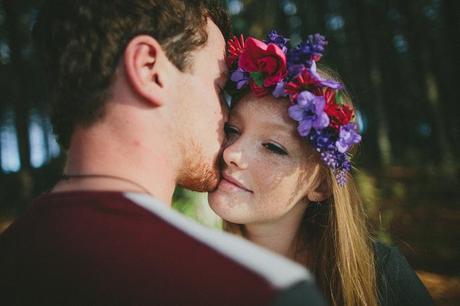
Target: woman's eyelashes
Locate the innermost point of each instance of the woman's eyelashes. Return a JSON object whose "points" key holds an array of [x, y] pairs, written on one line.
{"points": [[230, 130], [275, 148]]}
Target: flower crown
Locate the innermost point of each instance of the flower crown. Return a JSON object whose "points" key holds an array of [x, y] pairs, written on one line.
{"points": [[323, 117]]}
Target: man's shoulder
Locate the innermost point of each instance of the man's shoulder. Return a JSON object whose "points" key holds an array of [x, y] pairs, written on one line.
{"points": [[288, 282], [274, 269], [141, 242]]}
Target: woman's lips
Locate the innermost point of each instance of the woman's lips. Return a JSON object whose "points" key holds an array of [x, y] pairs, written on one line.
{"points": [[230, 183]]}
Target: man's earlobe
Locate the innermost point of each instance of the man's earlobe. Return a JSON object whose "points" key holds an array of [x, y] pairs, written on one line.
{"points": [[142, 63]]}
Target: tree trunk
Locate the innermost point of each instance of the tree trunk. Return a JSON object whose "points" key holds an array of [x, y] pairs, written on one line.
{"points": [[450, 36], [428, 83], [16, 39], [371, 61]]}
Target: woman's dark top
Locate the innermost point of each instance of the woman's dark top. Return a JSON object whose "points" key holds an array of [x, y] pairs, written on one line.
{"points": [[396, 280]]}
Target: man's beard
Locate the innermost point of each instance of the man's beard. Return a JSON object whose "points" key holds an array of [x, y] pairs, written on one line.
{"points": [[199, 174]]}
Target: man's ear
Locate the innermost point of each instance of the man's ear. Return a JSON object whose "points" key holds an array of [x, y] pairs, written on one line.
{"points": [[146, 69]]}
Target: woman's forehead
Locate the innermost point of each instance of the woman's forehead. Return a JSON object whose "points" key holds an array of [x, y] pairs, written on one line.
{"points": [[265, 109], [270, 115]]}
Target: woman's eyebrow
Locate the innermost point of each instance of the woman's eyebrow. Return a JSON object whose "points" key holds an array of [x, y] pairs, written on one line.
{"points": [[277, 126], [235, 115]]}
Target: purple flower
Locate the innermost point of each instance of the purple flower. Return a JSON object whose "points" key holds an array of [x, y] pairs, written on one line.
{"points": [[309, 112], [316, 44], [336, 160], [329, 158], [323, 139], [241, 78], [297, 61], [319, 81], [348, 136], [279, 90], [305, 54], [341, 176], [343, 168], [294, 69], [277, 39]]}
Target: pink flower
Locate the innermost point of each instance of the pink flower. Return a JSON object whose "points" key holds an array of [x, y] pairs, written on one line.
{"points": [[265, 63]]}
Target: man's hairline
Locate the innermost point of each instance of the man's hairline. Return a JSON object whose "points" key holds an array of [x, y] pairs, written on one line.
{"points": [[190, 66]]}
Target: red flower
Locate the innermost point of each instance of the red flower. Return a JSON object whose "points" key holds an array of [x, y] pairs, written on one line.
{"points": [[268, 62], [259, 91], [338, 114], [304, 81], [329, 95], [235, 47]]}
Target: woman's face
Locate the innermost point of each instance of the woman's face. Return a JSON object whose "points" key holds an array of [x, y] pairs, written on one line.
{"points": [[268, 172]]}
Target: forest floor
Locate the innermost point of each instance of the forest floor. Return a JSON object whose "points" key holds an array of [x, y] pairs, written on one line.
{"points": [[444, 289]]}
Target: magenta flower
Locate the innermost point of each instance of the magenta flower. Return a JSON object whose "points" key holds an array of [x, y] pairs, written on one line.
{"points": [[309, 112], [265, 63]]}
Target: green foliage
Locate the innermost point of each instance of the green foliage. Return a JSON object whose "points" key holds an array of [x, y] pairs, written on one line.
{"points": [[195, 206]]}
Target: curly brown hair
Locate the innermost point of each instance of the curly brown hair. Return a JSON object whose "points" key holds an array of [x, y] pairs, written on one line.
{"points": [[81, 41]]}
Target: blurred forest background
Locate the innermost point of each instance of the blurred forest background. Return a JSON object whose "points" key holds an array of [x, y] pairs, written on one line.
{"points": [[398, 58]]}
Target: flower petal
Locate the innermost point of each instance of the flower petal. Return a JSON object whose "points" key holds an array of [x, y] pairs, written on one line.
{"points": [[247, 59], [305, 98], [320, 102], [321, 121], [279, 90], [304, 127], [296, 112]]}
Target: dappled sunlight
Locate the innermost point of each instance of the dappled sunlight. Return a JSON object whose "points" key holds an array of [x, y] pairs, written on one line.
{"points": [[444, 289]]}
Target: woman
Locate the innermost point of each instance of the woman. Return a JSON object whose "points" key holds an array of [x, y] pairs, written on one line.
{"points": [[285, 177]]}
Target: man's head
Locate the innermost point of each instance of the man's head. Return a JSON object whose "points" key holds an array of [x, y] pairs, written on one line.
{"points": [[88, 46]]}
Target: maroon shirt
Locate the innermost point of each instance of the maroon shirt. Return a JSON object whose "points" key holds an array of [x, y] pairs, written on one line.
{"points": [[112, 248]]}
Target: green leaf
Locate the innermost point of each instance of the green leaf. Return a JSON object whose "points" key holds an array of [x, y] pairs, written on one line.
{"points": [[258, 77], [339, 99]]}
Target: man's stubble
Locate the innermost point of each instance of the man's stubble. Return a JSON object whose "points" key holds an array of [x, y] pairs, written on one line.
{"points": [[200, 173]]}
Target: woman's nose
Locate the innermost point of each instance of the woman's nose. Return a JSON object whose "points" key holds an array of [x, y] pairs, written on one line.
{"points": [[234, 155]]}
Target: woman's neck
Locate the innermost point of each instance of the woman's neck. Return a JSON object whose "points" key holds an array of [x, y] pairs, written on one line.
{"points": [[280, 236], [270, 238]]}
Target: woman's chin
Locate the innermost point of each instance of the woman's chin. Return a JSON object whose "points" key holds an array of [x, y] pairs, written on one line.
{"points": [[228, 208]]}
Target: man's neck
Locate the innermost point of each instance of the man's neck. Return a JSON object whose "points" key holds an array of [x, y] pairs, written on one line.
{"points": [[93, 153]]}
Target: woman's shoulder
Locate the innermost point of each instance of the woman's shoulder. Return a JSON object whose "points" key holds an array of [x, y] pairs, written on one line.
{"points": [[382, 253], [397, 282], [388, 258]]}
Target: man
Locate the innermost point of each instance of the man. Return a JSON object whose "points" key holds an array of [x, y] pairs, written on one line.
{"points": [[135, 87]]}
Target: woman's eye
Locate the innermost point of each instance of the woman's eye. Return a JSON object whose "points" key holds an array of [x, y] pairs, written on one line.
{"points": [[275, 149], [230, 130]]}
